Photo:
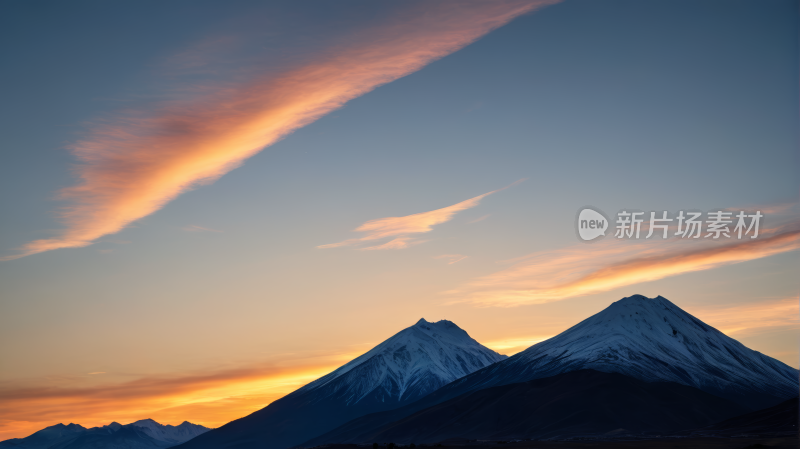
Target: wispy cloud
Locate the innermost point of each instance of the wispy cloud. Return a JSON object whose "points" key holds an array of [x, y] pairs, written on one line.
{"points": [[585, 269], [479, 219], [211, 398], [395, 243], [134, 165], [752, 318], [451, 258], [401, 229]]}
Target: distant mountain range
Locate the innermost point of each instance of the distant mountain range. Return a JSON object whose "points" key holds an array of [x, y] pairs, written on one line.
{"points": [[650, 339], [408, 366], [640, 366], [144, 434]]}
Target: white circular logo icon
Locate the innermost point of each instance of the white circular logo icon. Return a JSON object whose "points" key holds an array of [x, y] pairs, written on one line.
{"points": [[591, 224]]}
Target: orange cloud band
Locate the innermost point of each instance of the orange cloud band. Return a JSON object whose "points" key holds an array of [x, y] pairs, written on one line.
{"points": [[210, 399], [753, 318], [401, 227], [578, 271], [135, 165]]}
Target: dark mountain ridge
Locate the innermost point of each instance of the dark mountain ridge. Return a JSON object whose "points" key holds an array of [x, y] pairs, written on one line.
{"points": [[778, 419], [143, 434], [583, 402], [404, 368], [650, 339]]}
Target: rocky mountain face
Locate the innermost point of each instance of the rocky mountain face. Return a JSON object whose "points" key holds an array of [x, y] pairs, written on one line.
{"points": [[408, 366], [143, 434], [650, 339]]}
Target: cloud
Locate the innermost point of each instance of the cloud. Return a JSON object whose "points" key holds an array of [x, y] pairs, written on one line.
{"points": [[135, 164], [753, 318], [396, 243], [210, 398], [479, 219], [452, 258], [401, 227], [613, 263]]}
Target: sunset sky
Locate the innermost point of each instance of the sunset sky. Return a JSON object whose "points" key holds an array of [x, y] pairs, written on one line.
{"points": [[206, 205]]}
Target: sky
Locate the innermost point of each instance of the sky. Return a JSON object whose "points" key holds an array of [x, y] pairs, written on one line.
{"points": [[206, 205]]}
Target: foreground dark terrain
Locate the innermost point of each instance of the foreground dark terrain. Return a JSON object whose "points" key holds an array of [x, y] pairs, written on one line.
{"points": [[654, 369], [773, 427], [667, 443], [583, 402]]}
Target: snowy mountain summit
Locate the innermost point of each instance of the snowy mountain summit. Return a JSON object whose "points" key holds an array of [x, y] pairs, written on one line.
{"points": [[654, 340], [168, 433], [407, 366], [143, 434]]}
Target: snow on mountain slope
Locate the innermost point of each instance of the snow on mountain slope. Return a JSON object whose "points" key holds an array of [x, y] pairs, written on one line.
{"points": [[412, 363], [402, 369], [647, 339], [654, 340], [168, 433], [45, 438], [144, 434]]}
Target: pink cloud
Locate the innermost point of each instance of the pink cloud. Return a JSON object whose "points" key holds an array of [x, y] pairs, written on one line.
{"points": [[133, 166]]}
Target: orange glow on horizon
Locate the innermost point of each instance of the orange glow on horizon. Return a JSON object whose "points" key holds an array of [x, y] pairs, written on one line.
{"points": [[207, 399], [215, 398]]}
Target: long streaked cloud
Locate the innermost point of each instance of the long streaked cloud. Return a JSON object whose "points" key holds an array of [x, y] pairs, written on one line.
{"points": [[401, 230], [134, 165], [752, 318], [452, 258], [586, 269], [211, 398]]}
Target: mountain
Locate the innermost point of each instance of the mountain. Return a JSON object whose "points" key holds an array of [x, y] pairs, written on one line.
{"points": [[780, 419], [583, 402], [170, 434], [144, 434], [656, 341], [406, 367], [649, 339], [46, 437]]}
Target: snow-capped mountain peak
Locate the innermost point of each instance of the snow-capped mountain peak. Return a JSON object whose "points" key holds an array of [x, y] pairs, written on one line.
{"points": [[413, 362], [654, 340], [405, 367], [169, 433], [143, 434]]}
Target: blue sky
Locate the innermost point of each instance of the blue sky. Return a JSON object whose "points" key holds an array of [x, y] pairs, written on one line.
{"points": [[667, 105]]}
